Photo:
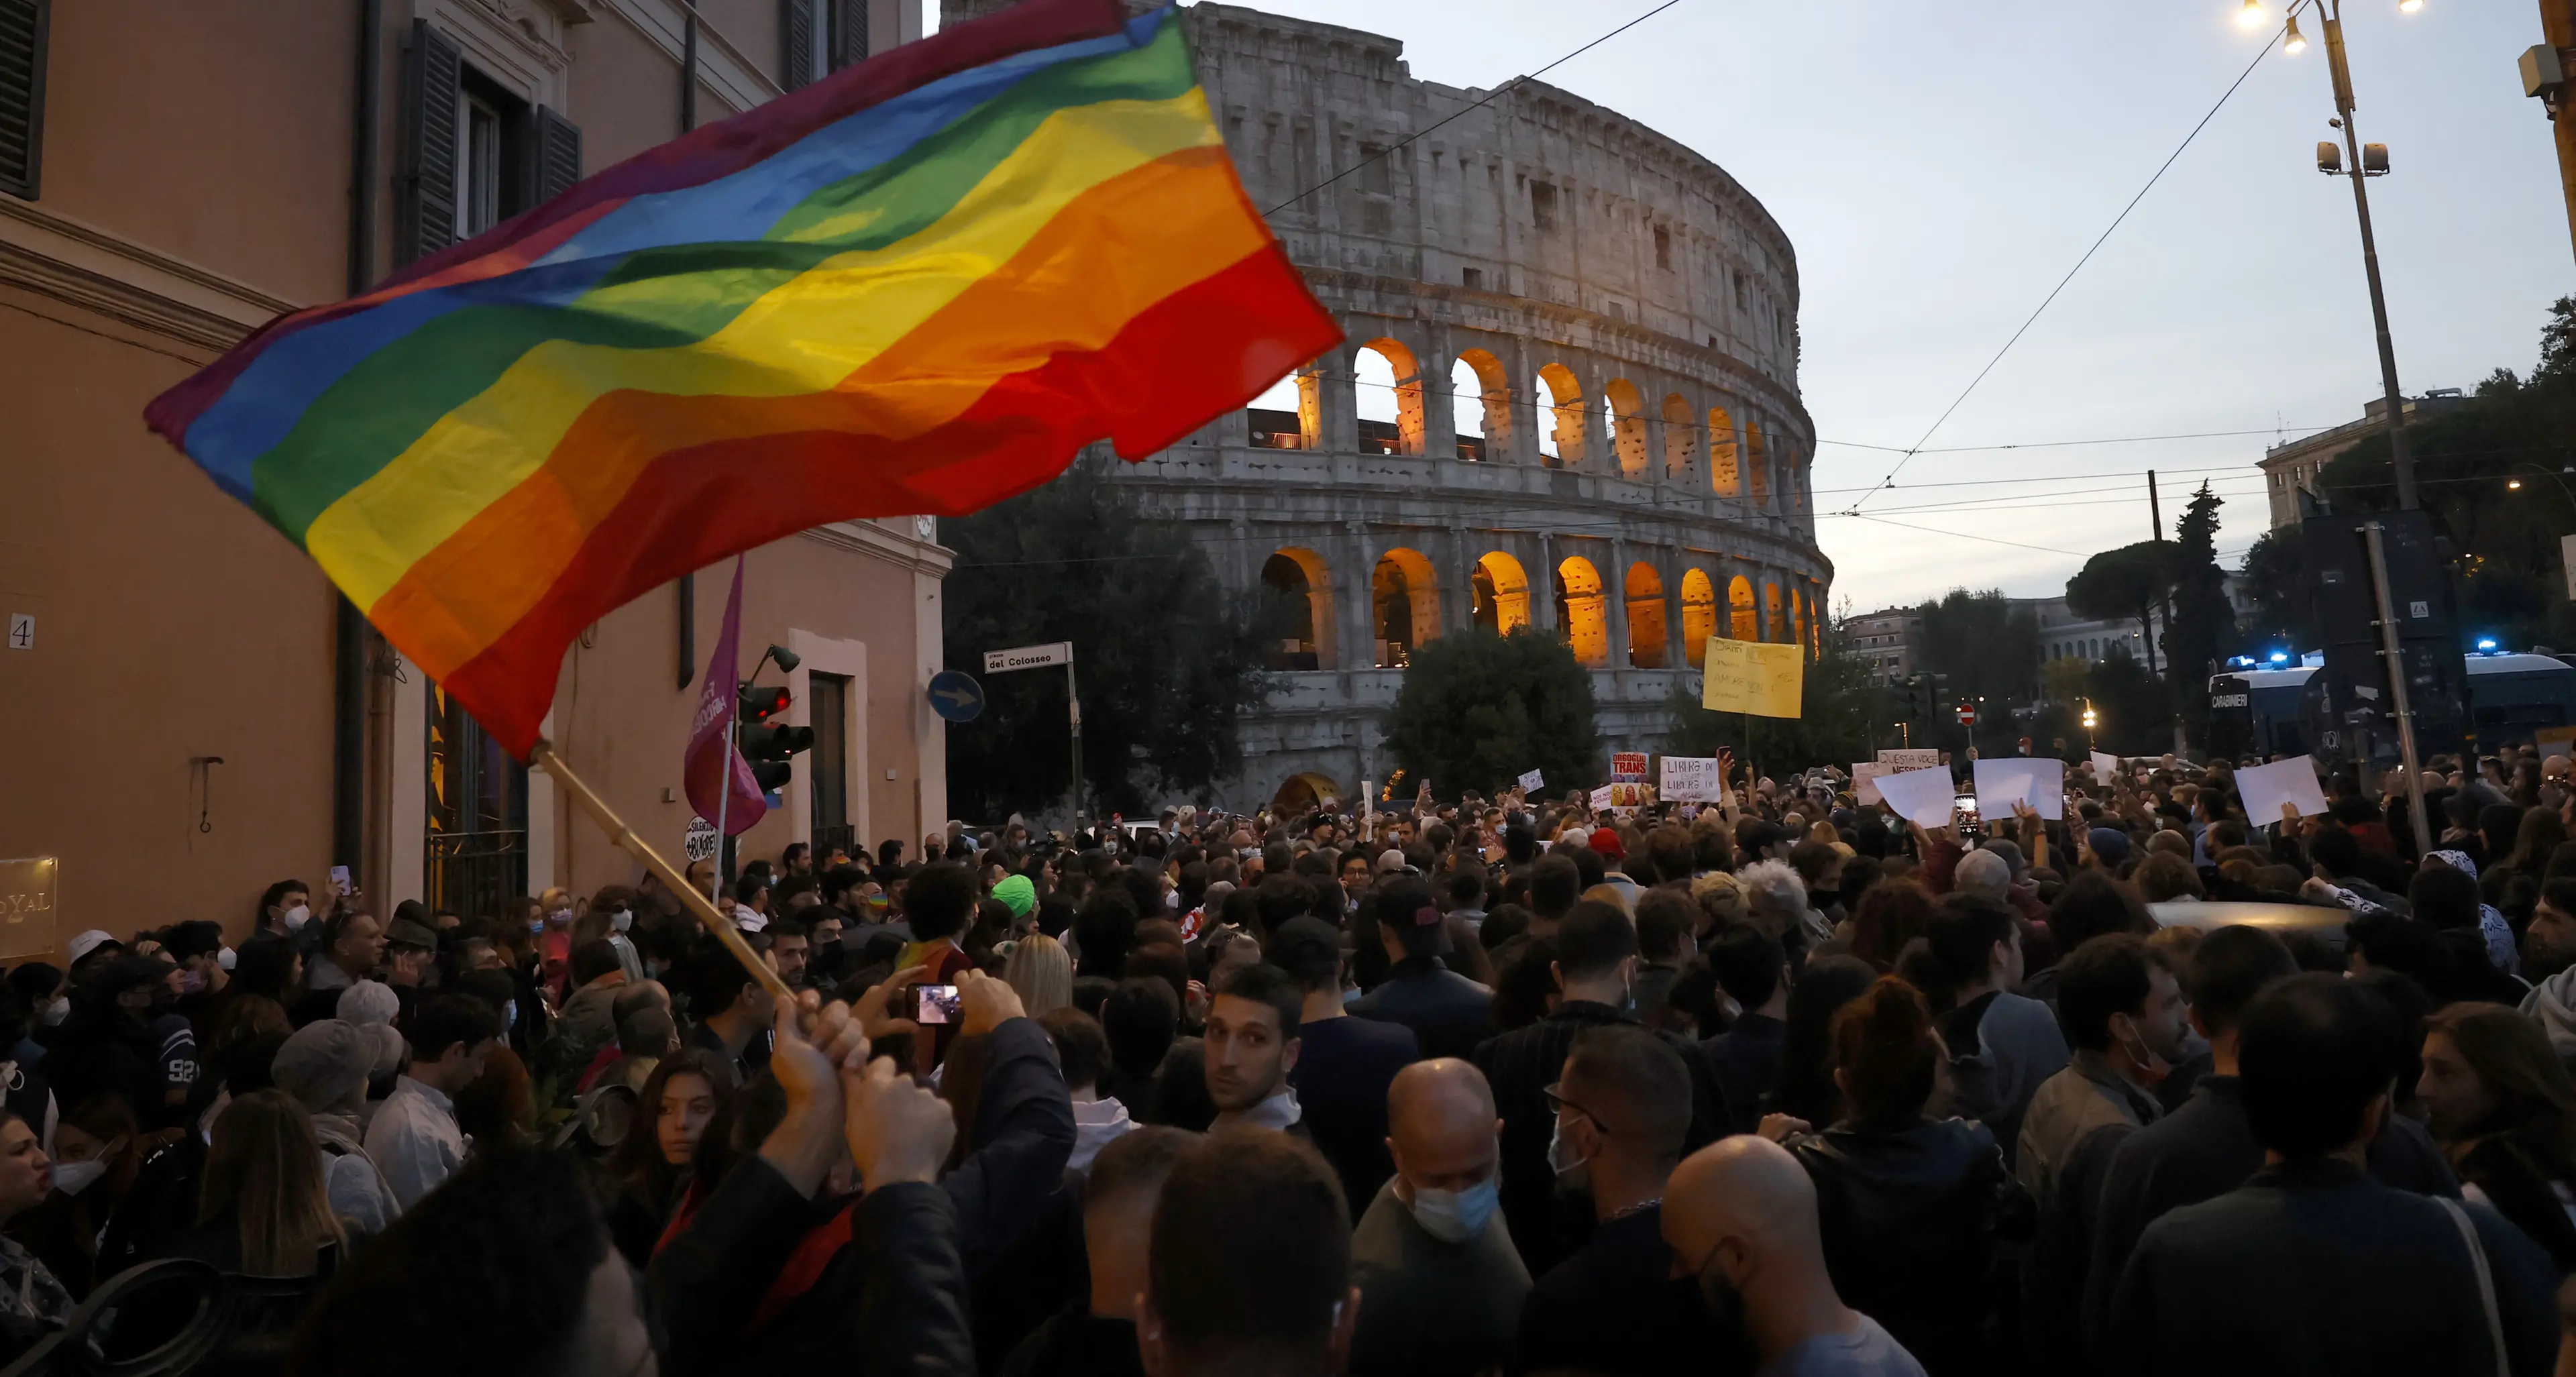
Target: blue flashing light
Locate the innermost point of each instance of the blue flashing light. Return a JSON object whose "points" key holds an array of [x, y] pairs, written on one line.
{"points": [[2280, 657], [2486, 645]]}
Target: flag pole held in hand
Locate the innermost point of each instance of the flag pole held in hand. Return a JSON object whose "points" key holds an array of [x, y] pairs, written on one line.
{"points": [[545, 758]]}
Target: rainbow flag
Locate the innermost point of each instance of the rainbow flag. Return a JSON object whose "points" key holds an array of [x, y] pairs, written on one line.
{"points": [[918, 286]]}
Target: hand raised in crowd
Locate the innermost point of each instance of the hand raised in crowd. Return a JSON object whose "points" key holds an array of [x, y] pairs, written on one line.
{"points": [[870, 1012], [1780, 1128], [988, 1002], [806, 1061], [896, 1129]]}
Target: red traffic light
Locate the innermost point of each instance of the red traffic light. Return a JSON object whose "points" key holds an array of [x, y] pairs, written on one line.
{"points": [[760, 704]]}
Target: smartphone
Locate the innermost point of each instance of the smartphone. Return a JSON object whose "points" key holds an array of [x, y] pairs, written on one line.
{"points": [[936, 1004], [340, 879]]}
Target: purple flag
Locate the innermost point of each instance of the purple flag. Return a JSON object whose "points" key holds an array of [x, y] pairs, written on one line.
{"points": [[711, 749]]}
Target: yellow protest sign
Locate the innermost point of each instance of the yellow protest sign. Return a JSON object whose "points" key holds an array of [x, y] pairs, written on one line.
{"points": [[1753, 676]]}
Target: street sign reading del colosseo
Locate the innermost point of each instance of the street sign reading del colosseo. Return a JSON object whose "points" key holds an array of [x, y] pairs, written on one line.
{"points": [[1029, 657]]}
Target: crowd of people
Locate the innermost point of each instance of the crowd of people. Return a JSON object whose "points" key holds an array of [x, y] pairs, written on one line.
{"points": [[1780, 1085]]}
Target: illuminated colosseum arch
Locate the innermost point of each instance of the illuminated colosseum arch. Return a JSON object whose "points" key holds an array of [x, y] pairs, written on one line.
{"points": [[1297, 576], [1797, 615], [1681, 436], [1582, 612], [1757, 459], [1389, 387], [1502, 600], [1404, 601], [1560, 428], [1699, 615], [1725, 465], [1775, 618], [1481, 402], [1298, 793], [1623, 416], [1648, 645], [1743, 619]]}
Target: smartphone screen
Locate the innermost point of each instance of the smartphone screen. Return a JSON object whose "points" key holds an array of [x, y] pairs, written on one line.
{"points": [[340, 878], [937, 1004]]}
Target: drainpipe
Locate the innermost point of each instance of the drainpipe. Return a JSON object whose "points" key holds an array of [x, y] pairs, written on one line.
{"points": [[352, 637]]}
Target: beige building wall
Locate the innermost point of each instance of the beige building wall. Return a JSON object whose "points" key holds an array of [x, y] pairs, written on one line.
{"points": [[196, 166]]}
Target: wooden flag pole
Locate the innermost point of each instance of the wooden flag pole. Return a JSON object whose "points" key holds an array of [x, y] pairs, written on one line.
{"points": [[623, 837]]}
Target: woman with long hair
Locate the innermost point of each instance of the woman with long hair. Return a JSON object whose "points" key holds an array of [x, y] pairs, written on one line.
{"points": [[33, 1302], [1805, 1089], [98, 1152], [263, 1209], [654, 1165], [1040, 971], [2503, 1108], [1910, 1207], [1891, 914]]}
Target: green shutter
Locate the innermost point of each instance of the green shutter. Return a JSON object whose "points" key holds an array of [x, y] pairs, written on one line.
{"points": [[849, 32], [795, 43], [22, 94], [558, 155], [434, 79]]}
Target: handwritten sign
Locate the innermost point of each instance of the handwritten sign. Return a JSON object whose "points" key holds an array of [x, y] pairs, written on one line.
{"points": [[1760, 678], [1533, 782], [27, 906], [1918, 758], [1601, 797], [1691, 779], [1865, 775]]}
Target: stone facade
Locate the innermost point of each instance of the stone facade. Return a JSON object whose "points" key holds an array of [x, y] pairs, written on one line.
{"points": [[1617, 315]]}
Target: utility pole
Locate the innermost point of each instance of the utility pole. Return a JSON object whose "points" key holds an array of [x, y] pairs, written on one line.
{"points": [[2173, 691], [2544, 75], [2401, 461]]}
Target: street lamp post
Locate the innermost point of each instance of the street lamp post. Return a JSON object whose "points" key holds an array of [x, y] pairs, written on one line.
{"points": [[2330, 14]]}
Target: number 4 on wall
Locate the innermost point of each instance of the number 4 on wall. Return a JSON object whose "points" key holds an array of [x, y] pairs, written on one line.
{"points": [[22, 631]]}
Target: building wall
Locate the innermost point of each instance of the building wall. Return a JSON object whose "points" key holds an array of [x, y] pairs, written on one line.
{"points": [[196, 172]]}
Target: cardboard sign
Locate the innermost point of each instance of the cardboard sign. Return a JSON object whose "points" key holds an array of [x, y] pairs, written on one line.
{"points": [[2266, 787], [1755, 677], [2039, 781], [1927, 798], [1865, 775], [1918, 758], [1628, 765], [1601, 797], [1692, 779]]}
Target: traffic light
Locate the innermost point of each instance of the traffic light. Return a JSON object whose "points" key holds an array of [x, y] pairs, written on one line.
{"points": [[769, 746]]}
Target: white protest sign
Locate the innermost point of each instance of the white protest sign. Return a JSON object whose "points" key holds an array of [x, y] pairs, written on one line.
{"points": [[1601, 797], [2266, 787], [1533, 781], [1918, 758], [1691, 779], [1865, 775], [699, 842], [1925, 797], [2039, 781], [2106, 768]]}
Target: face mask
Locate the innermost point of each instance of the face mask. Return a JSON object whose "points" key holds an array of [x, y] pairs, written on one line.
{"points": [[225, 958], [1456, 1216], [297, 917], [1556, 1162], [192, 982], [537, 927], [56, 1012], [561, 917], [71, 1178], [624, 919]]}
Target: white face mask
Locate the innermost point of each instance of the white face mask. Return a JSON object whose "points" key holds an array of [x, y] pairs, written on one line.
{"points": [[297, 917], [56, 1012], [71, 1178], [624, 919], [225, 957]]}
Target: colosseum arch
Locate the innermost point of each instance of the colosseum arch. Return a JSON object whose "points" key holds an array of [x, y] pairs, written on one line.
{"points": [[1560, 430], [1582, 613], [1300, 792], [1298, 577], [1404, 602], [1501, 594], [1648, 645], [1743, 620], [1389, 384], [1725, 469], [1681, 436], [1483, 389], [1757, 458], [1797, 616], [1623, 416], [1775, 619], [1699, 616]]}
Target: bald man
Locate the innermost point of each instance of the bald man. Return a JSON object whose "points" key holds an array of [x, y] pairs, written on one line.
{"points": [[1440, 1283], [1740, 1215]]}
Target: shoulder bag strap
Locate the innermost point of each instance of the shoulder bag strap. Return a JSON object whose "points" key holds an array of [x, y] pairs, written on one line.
{"points": [[2486, 1282]]}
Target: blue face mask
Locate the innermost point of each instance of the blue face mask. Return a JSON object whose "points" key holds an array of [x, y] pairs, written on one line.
{"points": [[1457, 1216]]}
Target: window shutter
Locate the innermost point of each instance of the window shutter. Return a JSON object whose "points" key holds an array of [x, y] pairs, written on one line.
{"points": [[849, 32], [22, 94], [795, 43], [558, 157], [436, 77]]}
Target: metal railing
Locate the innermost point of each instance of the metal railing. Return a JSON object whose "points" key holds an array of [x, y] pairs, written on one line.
{"points": [[474, 873]]}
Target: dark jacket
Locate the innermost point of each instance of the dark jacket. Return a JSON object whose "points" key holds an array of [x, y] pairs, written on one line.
{"points": [[2202, 1151], [1745, 1063], [1911, 1217], [761, 1276], [1519, 1065], [1448, 1013], [2521, 1190], [2315, 1268], [1077, 1343], [1612, 1308]]}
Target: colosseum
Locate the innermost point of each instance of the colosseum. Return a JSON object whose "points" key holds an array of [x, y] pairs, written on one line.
{"points": [[1568, 395]]}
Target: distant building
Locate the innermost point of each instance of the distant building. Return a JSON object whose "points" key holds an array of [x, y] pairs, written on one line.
{"points": [[2063, 635], [2292, 468], [1885, 640]]}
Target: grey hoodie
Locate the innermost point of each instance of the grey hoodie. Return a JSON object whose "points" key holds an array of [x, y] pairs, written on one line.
{"points": [[2553, 1002]]}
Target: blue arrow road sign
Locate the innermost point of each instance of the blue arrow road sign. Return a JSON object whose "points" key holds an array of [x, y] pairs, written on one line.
{"points": [[955, 695]]}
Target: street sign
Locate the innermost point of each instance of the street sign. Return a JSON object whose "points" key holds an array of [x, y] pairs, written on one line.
{"points": [[955, 695], [1967, 714], [700, 840], [1028, 657]]}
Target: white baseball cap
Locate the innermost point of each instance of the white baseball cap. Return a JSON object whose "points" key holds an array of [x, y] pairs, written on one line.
{"points": [[88, 942]]}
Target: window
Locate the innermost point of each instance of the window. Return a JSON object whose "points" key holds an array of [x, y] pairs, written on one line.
{"points": [[1473, 279], [474, 154], [476, 848], [22, 94], [1663, 248], [478, 163], [1743, 294], [827, 703], [1543, 206]]}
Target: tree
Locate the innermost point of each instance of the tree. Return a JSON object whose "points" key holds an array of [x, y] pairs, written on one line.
{"points": [[2120, 585], [1988, 650], [1168, 661], [2204, 622], [1478, 710], [1844, 715], [2271, 571], [2132, 706]]}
